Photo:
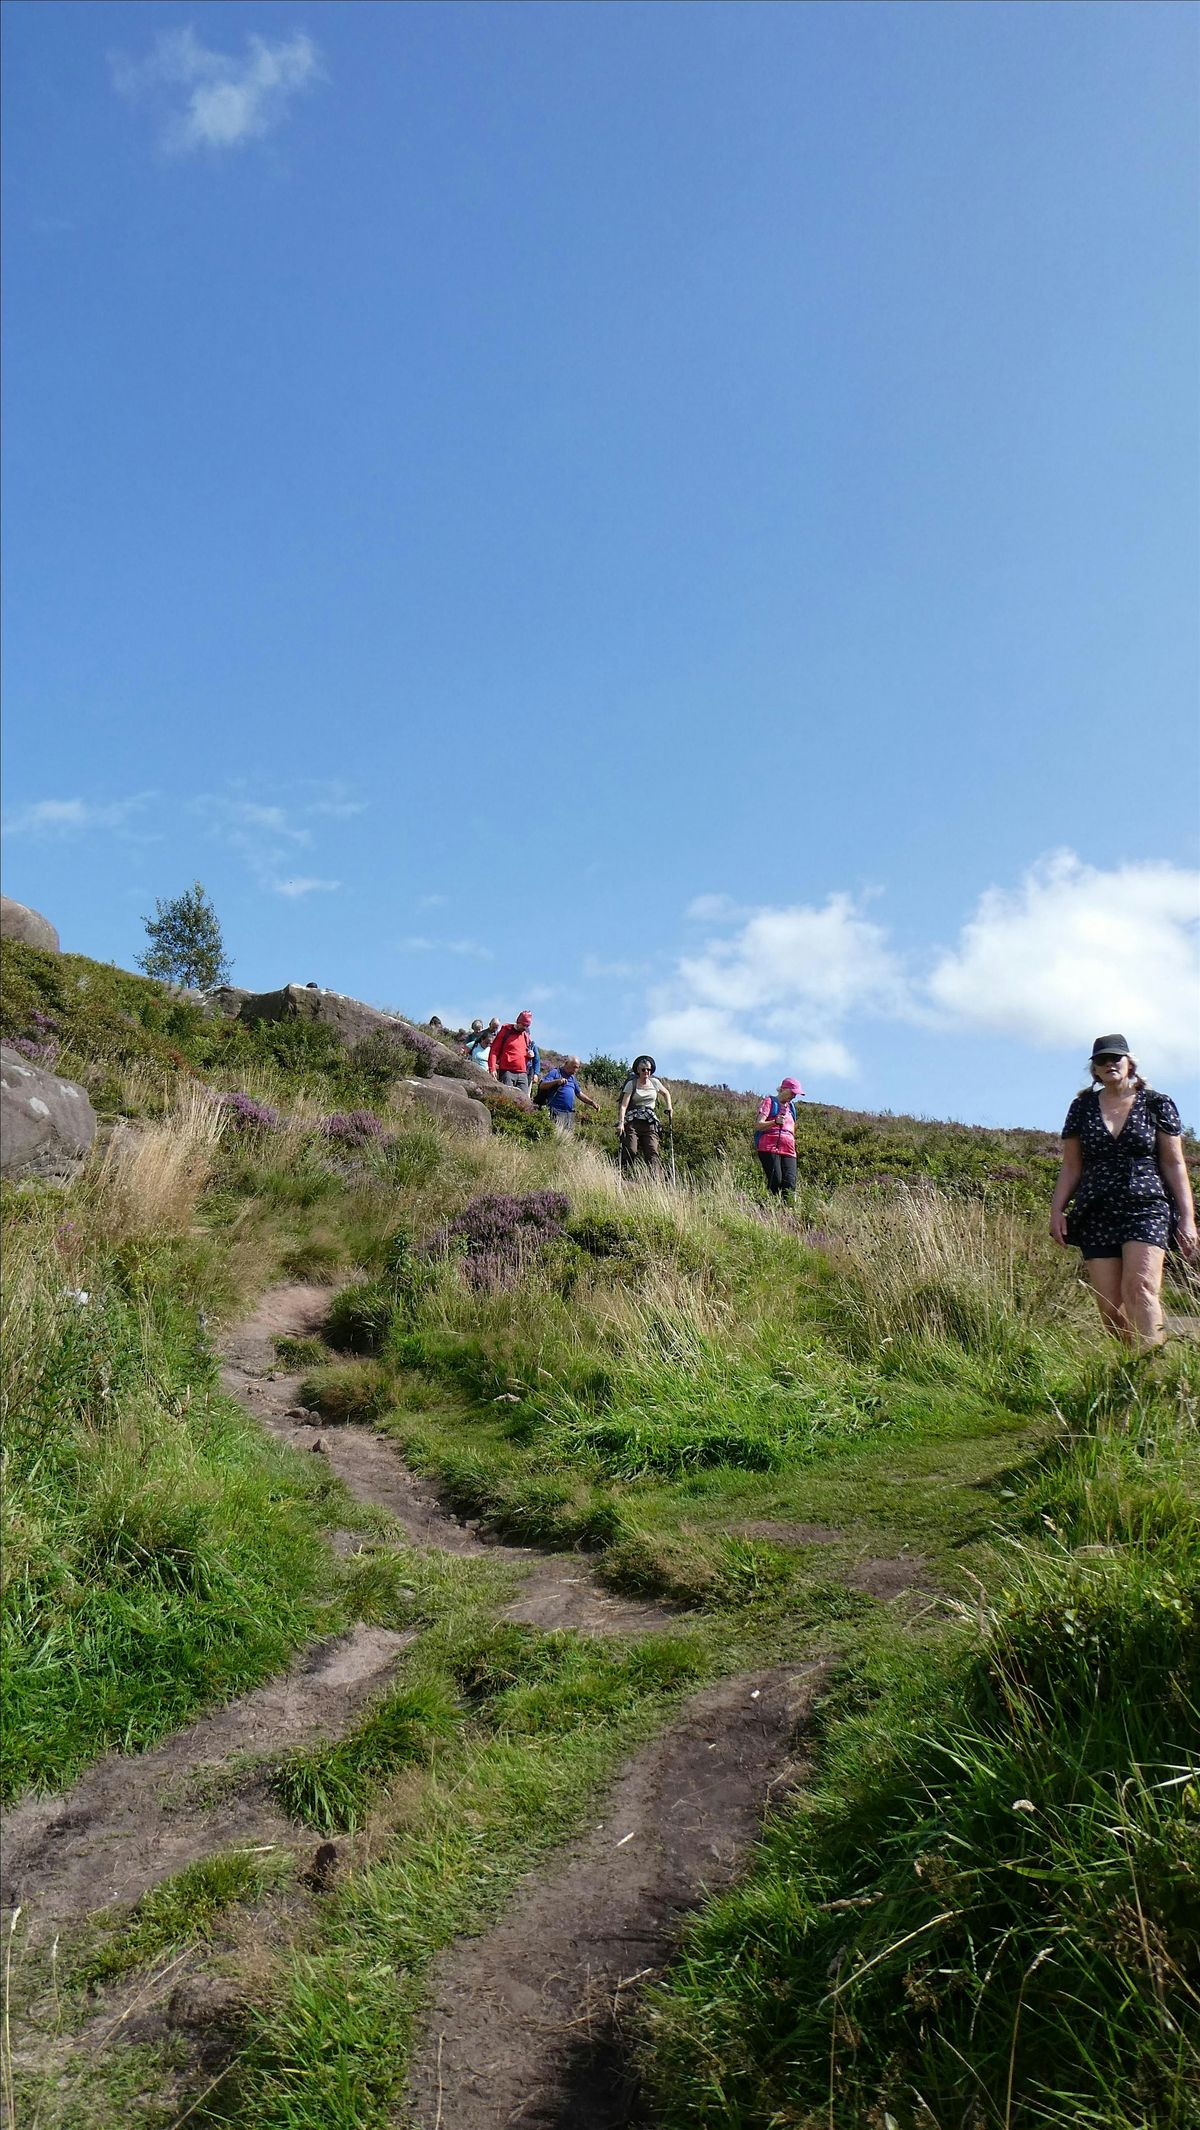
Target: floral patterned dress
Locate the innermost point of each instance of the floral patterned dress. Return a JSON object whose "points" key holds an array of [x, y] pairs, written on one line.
{"points": [[1120, 1196]]}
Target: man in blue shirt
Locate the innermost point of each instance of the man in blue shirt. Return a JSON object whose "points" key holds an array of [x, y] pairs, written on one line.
{"points": [[560, 1091]]}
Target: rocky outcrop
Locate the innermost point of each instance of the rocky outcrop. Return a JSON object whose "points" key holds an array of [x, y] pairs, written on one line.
{"points": [[453, 1102], [46, 1124], [353, 1022], [27, 926]]}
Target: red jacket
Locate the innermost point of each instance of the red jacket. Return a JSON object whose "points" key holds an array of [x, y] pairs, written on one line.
{"points": [[510, 1050]]}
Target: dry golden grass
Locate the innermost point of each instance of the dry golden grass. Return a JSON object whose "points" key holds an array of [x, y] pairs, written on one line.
{"points": [[149, 1179]]}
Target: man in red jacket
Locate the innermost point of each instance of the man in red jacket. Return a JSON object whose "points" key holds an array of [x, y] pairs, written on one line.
{"points": [[509, 1056]]}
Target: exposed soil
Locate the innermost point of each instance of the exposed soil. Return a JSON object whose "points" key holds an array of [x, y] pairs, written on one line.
{"points": [[133, 1819], [558, 1590], [524, 2024], [790, 1534]]}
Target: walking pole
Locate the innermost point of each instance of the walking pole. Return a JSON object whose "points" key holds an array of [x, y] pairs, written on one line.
{"points": [[671, 1143]]}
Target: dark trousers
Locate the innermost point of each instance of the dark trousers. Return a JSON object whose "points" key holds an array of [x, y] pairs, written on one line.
{"points": [[639, 1141], [780, 1172], [519, 1080]]}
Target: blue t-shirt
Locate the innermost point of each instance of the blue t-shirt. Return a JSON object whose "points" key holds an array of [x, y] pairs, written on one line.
{"points": [[563, 1089]]}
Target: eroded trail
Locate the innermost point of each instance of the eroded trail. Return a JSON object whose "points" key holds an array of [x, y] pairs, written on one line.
{"points": [[133, 1819], [557, 1589], [525, 2021], [524, 2024]]}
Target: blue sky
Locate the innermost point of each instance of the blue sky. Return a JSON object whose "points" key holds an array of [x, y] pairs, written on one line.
{"points": [[682, 517]]}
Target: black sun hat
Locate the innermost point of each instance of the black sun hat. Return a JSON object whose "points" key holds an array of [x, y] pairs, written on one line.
{"points": [[644, 1059], [1110, 1046]]}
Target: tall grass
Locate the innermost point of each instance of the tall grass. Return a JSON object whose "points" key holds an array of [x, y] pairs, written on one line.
{"points": [[985, 1916], [150, 1178], [158, 1555]]}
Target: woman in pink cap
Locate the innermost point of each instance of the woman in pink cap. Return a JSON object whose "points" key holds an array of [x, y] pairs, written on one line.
{"points": [[775, 1138]]}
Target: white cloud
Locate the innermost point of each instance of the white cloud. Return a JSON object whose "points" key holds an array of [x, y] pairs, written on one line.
{"points": [[210, 100], [470, 949], [73, 817], [779, 988], [305, 885], [431, 902], [1075, 951]]}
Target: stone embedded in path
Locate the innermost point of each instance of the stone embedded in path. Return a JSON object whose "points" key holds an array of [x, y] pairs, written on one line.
{"points": [[29, 927], [47, 1125]]}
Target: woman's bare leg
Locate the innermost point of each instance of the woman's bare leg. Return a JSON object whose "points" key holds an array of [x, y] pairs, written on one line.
{"points": [[1105, 1275], [1141, 1283]]}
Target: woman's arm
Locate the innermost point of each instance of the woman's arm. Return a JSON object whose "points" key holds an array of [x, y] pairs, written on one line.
{"points": [[1064, 1190], [1173, 1170]]}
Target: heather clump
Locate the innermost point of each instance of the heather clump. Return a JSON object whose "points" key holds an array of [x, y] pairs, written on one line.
{"points": [[352, 1127], [499, 1234], [248, 1115]]}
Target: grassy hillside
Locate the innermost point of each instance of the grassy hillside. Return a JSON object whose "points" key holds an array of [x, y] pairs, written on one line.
{"points": [[983, 1912]]}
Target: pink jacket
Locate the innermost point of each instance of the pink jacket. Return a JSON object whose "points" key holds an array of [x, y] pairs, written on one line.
{"points": [[775, 1135]]}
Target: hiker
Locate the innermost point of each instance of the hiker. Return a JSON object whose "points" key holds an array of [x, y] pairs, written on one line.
{"points": [[560, 1091], [513, 1053], [775, 1138], [1124, 1180], [479, 1040], [637, 1116]]}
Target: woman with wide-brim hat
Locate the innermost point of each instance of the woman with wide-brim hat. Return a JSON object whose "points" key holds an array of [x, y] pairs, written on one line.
{"points": [[637, 1116], [1125, 1183]]}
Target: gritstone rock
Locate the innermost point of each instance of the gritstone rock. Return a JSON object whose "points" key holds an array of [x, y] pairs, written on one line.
{"points": [[28, 926], [46, 1124], [451, 1100], [352, 1021]]}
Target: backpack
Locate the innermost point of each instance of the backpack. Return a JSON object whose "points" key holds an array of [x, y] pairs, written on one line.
{"points": [[767, 1122], [546, 1088]]}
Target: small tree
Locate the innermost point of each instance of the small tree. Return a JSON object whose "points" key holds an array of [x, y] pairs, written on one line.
{"points": [[185, 942]]}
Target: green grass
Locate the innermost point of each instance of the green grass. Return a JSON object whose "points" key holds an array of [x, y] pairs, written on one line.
{"points": [[182, 1910], [670, 1388], [159, 1554]]}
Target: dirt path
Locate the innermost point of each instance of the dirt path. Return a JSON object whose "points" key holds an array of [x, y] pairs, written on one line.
{"points": [[558, 1591], [133, 1819], [524, 2024]]}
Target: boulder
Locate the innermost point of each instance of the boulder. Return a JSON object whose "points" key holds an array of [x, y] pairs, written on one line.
{"points": [[449, 1100], [46, 1124], [27, 926], [351, 1021], [226, 1000]]}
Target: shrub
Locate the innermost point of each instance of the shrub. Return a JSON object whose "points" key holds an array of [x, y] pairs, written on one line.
{"points": [[249, 1115], [500, 1232], [355, 1127], [603, 1071]]}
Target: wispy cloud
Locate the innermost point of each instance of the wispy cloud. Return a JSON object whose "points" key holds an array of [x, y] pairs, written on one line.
{"points": [[466, 949], [304, 885], [268, 834], [432, 902], [333, 800], [211, 101], [598, 971], [76, 817]]}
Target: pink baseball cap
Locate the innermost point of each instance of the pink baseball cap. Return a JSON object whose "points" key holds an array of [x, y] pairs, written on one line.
{"points": [[523, 1019], [793, 1086]]}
